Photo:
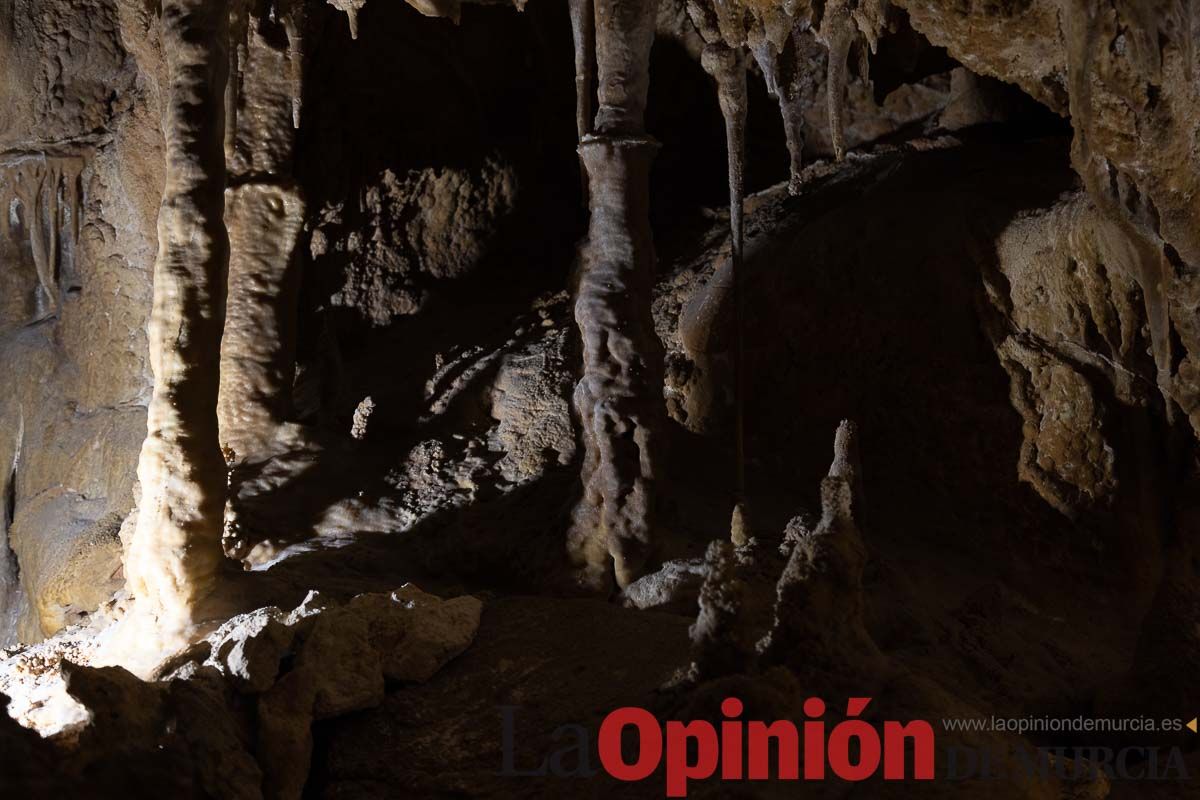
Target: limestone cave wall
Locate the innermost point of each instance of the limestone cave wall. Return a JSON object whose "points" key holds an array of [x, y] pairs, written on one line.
{"points": [[553, 309]]}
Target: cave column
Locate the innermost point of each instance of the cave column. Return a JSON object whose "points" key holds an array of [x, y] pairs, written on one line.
{"points": [[619, 397], [175, 552]]}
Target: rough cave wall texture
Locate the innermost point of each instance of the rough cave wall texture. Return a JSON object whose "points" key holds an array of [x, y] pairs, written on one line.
{"points": [[1008, 314], [82, 160], [78, 244], [392, 206]]}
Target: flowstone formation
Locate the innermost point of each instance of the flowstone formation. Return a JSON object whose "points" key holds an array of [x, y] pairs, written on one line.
{"points": [[174, 555]]}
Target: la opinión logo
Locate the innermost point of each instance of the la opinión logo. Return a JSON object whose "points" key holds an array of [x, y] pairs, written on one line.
{"points": [[737, 749]]}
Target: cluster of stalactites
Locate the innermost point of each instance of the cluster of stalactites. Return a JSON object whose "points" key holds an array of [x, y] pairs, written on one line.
{"points": [[448, 9], [291, 15], [41, 204], [772, 33]]}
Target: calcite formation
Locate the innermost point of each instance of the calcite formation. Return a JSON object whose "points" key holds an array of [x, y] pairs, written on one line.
{"points": [[617, 399], [44, 210], [351, 295], [174, 556]]}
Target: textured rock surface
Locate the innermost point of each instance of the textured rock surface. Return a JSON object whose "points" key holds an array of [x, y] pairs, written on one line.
{"points": [[617, 398], [995, 280], [432, 225], [231, 715], [173, 557]]}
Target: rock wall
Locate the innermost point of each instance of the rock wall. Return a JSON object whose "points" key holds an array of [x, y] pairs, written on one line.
{"points": [[77, 242]]}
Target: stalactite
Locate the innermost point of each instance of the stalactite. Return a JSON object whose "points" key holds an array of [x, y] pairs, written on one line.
{"points": [[239, 30], [258, 346], [837, 32], [294, 17], [784, 76], [263, 214], [727, 67], [450, 9], [1168, 649], [173, 557], [1099, 177], [47, 201], [583, 31], [619, 397], [624, 34], [351, 8]]}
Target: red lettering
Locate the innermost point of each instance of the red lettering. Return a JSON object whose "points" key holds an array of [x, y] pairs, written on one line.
{"points": [[787, 740], [894, 736], [649, 744], [868, 753], [731, 740], [679, 771]]}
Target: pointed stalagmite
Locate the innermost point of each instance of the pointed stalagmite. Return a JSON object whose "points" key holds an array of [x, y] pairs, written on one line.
{"points": [[820, 605], [619, 397], [173, 557]]}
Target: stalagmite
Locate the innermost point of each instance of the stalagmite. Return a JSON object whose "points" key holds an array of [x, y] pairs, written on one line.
{"points": [[718, 639], [619, 397], [173, 557], [820, 608]]}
